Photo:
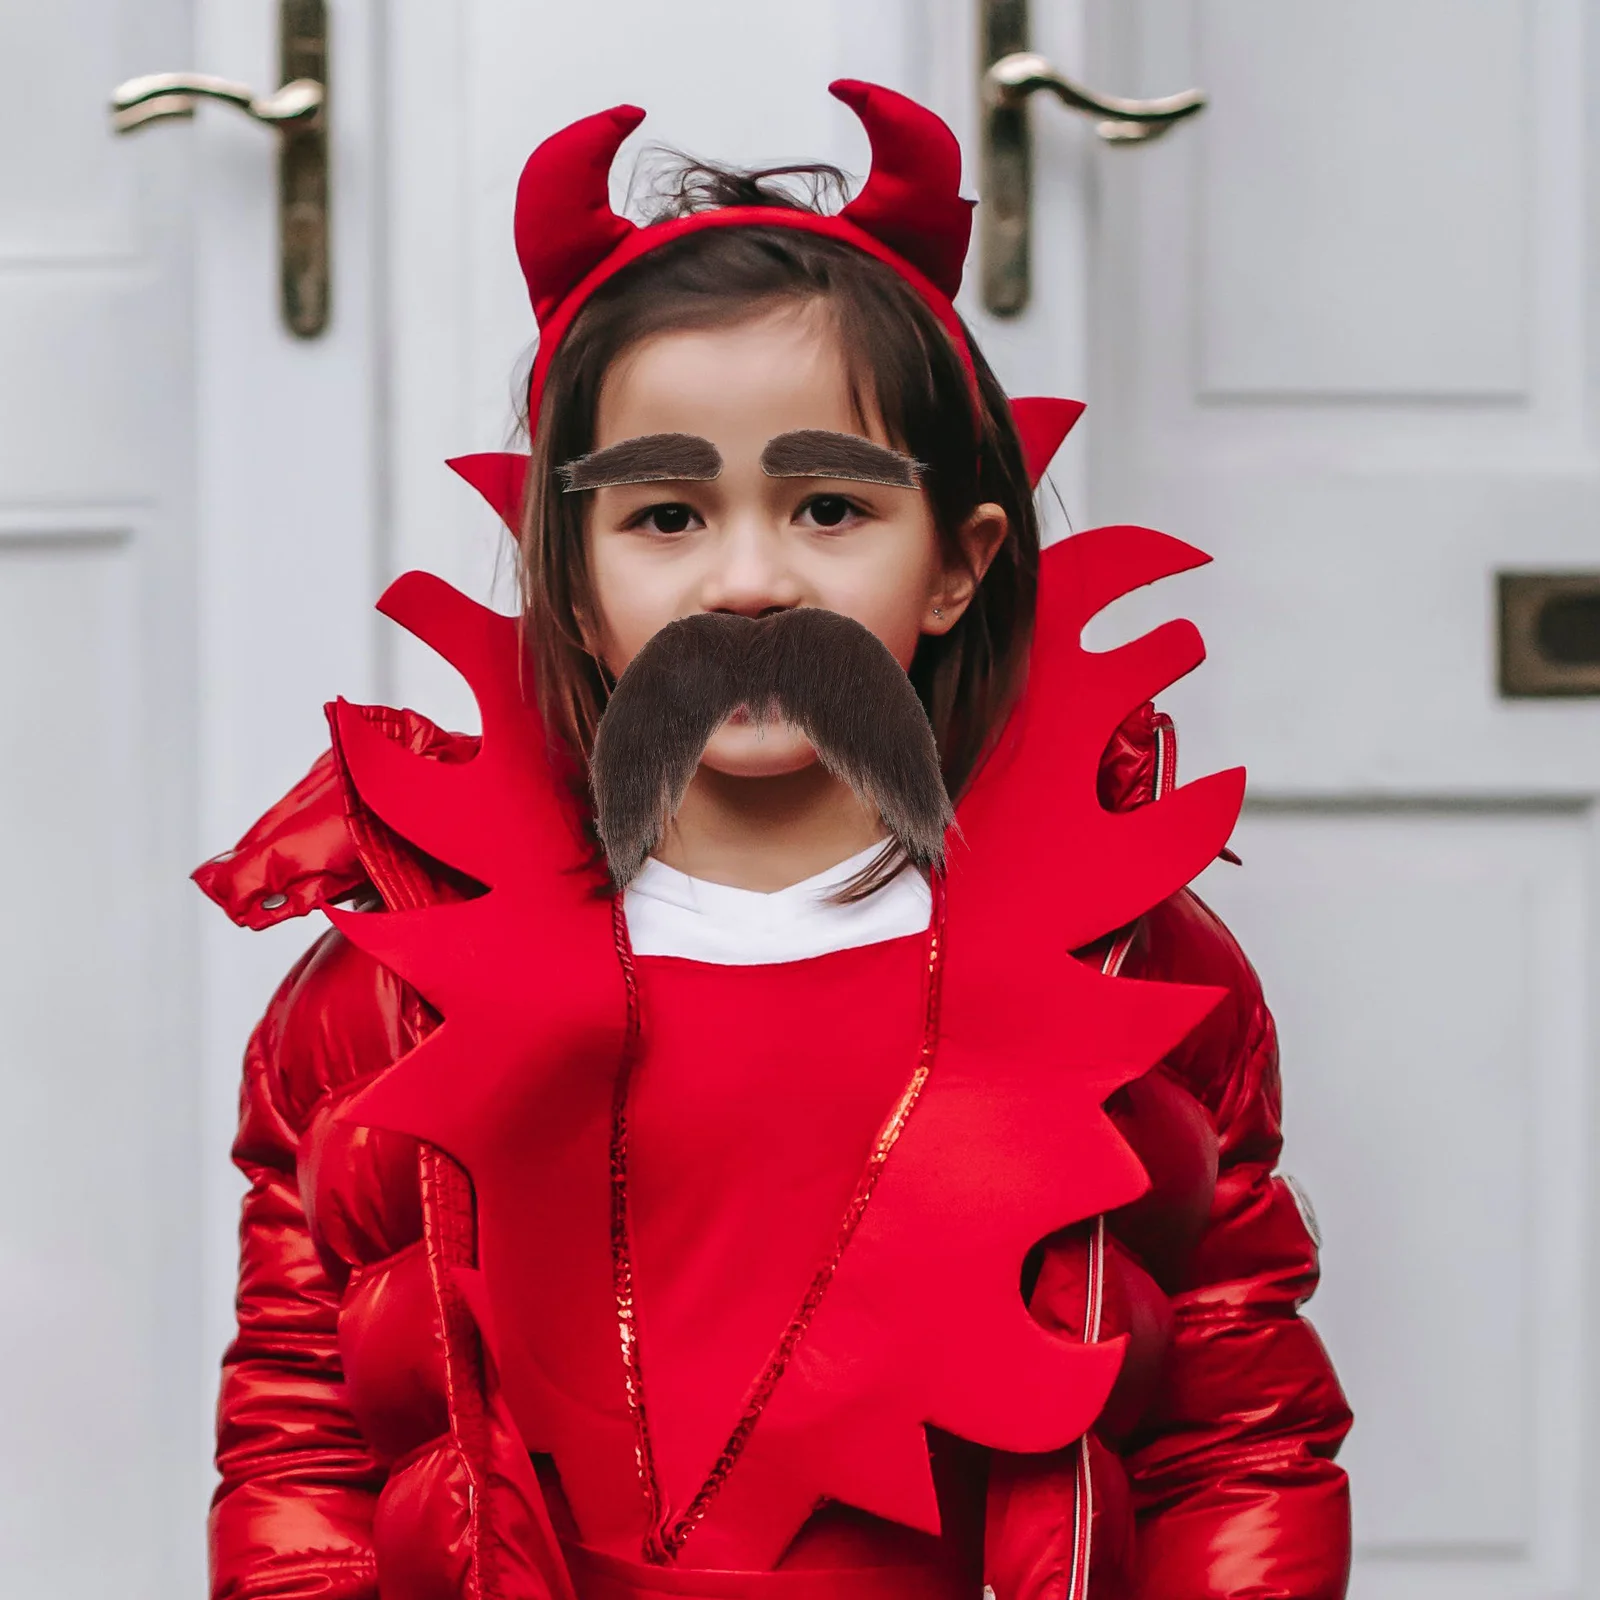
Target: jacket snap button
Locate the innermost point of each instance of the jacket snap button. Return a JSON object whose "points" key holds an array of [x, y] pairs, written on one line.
{"points": [[271, 902]]}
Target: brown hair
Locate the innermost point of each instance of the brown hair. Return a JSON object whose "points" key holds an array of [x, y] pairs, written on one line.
{"points": [[901, 364]]}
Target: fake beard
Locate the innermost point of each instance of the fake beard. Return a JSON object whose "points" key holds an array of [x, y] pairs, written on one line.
{"points": [[823, 673]]}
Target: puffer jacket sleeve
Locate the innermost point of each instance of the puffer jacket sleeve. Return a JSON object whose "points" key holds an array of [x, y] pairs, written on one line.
{"points": [[292, 1516], [1232, 1474]]}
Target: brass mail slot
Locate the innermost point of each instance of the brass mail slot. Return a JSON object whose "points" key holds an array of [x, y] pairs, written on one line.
{"points": [[1549, 633]]}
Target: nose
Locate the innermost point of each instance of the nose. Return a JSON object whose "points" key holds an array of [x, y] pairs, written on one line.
{"points": [[751, 574]]}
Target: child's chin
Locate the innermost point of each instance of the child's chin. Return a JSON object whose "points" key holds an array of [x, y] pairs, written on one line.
{"points": [[743, 750]]}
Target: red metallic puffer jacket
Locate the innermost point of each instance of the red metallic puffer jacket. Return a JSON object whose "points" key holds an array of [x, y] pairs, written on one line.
{"points": [[361, 1450]]}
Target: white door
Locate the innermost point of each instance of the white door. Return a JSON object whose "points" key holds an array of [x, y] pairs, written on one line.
{"points": [[186, 533], [99, 1409], [1342, 340], [1335, 332]]}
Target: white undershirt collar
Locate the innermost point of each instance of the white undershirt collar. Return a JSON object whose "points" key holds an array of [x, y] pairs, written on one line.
{"points": [[671, 914]]}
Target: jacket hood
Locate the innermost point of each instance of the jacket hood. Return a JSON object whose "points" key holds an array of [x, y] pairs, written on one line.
{"points": [[302, 853]]}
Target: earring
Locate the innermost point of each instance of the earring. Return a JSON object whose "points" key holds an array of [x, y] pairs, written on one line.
{"points": [[937, 612]]}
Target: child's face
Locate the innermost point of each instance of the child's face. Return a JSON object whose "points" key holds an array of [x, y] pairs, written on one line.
{"points": [[749, 542]]}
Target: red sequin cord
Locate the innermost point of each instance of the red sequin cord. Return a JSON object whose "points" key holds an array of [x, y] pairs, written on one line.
{"points": [[668, 1544], [621, 1246]]}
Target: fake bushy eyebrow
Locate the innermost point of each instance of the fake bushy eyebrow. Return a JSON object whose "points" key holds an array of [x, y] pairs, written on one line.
{"points": [[819, 453], [650, 458]]}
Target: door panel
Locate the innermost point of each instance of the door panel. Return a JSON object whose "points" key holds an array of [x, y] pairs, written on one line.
{"points": [[102, 1470], [1426, 965], [94, 342], [85, 1192], [70, 203], [1316, 253]]}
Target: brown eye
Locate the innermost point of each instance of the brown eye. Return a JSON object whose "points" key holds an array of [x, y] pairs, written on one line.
{"points": [[830, 510], [672, 518]]}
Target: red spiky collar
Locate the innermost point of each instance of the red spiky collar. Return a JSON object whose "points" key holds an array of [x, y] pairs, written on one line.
{"points": [[1006, 1144], [909, 214]]}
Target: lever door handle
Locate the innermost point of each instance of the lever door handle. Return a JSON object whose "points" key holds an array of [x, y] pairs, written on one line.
{"points": [[299, 111], [1012, 75], [159, 95], [1012, 79]]}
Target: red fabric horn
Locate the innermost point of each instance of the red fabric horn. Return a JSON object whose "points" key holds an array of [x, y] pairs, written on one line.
{"points": [[500, 476], [1041, 426], [564, 221], [911, 200]]}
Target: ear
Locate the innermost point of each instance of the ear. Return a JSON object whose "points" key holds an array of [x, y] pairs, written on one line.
{"points": [[980, 537]]}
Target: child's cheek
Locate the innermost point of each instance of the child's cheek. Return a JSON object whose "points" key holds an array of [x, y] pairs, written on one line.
{"points": [[629, 608], [887, 590], [894, 618]]}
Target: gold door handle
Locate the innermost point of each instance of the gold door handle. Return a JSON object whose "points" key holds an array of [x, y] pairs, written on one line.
{"points": [[1012, 74], [1012, 79], [299, 111], [141, 101]]}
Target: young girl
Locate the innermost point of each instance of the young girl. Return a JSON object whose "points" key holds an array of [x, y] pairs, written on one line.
{"points": [[781, 1217]]}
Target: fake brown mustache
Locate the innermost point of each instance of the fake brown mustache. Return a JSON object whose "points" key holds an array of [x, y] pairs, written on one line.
{"points": [[824, 673]]}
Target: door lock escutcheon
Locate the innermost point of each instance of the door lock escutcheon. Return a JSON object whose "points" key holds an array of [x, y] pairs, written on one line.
{"points": [[298, 111], [1549, 634], [1012, 74]]}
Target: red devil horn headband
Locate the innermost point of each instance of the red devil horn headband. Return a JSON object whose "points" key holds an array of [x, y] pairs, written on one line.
{"points": [[909, 215], [910, 203]]}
